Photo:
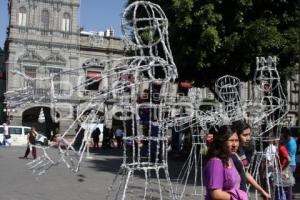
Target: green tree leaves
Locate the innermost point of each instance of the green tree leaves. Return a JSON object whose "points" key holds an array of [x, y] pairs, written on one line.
{"points": [[210, 38]]}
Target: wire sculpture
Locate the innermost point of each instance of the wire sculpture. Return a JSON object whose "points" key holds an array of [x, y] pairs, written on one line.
{"points": [[265, 112], [145, 142], [141, 95], [145, 121], [268, 109]]}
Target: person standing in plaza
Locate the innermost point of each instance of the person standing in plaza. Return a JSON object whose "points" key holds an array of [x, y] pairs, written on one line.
{"points": [[31, 143], [95, 135], [6, 135], [291, 146], [242, 158], [119, 137], [287, 178], [222, 179]]}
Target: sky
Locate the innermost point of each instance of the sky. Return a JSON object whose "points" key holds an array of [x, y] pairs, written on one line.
{"points": [[95, 15]]}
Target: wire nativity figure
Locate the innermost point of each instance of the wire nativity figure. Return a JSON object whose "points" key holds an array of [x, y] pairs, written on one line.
{"points": [[146, 120]]}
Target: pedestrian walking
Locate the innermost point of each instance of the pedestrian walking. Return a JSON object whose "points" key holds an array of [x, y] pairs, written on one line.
{"points": [[31, 143], [6, 135], [95, 136]]}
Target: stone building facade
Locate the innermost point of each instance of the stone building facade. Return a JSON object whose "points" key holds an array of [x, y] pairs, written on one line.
{"points": [[2, 86], [43, 38]]}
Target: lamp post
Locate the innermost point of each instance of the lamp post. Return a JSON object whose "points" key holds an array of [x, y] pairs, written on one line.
{"points": [[7, 111]]}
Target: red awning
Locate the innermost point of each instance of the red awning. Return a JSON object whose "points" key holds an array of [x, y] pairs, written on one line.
{"points": [[2, 75], [186, 85], [94, 75]]}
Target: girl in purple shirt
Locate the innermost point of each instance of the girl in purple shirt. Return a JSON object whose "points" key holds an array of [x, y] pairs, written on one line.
{"points": [[222, 180]]}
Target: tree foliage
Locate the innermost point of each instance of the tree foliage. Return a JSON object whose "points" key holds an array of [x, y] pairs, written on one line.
{"points": [[211, 38]]}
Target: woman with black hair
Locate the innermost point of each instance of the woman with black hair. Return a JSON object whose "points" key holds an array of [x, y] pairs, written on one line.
{"points": [[222, 180], [31, 143], [242, 158]]}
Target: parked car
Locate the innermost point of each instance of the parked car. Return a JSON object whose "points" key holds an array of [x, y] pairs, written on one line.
{"points": [[19, 135]]}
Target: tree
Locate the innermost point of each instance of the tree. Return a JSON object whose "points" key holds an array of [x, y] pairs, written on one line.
{"points": [[211, 38]]}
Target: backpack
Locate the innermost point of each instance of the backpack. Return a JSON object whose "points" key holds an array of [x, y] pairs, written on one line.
{"points": [[7, 136]]}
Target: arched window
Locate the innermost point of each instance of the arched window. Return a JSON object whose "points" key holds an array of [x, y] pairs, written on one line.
{"points": [[45, 19], [66, 22], [22, 16]]}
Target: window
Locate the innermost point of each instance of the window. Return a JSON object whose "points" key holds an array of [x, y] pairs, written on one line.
{"points": [[26, 131], [22, 17], [45, 19], [17, 131], [31, 72], [94, 79], [66, 22]]}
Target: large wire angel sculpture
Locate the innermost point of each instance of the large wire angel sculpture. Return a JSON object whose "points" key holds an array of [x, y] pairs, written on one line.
{"points": [[145, 120]]}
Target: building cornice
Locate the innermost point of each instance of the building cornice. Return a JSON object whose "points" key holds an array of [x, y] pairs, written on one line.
{"points": [[27, 28], [58, 2], [41, 43]]}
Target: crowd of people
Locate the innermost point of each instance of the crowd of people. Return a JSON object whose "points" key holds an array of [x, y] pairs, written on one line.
{"points": [[227, 166]]}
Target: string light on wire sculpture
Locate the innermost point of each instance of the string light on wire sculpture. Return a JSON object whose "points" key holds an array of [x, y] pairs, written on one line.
{"points": [[192, 170], [200, 124], [267, 112], [145, 142], [227, 88], [145, 121]]}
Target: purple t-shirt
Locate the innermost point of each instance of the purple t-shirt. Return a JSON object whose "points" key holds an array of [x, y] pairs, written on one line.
{"points": [[219, 177]]}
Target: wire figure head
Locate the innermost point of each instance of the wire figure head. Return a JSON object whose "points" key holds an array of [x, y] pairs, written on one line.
{"points": [[227, 88], [266, 75], [144, 24]]}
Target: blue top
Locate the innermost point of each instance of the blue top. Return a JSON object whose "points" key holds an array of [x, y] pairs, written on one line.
{"points": [[291, 146]]}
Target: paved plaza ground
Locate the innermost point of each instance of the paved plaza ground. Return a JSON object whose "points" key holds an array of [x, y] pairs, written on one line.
{"points": [[18, 183]]}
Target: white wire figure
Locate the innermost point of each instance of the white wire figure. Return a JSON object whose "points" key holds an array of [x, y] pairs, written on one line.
{"points": [[145, 143], [267, 111], [227, 87], [153, 68], [146, 122], [192, 171]]}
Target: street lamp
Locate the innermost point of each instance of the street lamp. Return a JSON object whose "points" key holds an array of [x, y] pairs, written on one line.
{"points": [[7, 111]]}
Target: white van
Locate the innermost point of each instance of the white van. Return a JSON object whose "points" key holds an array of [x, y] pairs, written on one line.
{"points": [[18, 134]]}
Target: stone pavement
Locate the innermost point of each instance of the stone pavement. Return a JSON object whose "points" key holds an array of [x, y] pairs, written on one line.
{"points": [[18, 183]]}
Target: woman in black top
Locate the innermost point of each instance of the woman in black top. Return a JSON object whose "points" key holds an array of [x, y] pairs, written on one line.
{"points": [[241, 160], [31, 143]]}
